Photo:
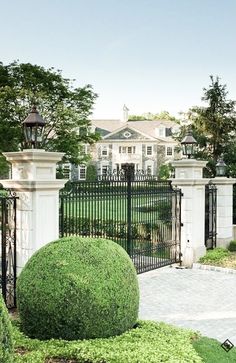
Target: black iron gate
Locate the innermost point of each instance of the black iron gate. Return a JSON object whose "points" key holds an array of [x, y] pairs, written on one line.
{"points": [[137, 211], [210, 215], [8, 247]]}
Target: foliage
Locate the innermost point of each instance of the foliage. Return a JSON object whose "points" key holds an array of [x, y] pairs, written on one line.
{"points": [[6, 341], [91, 173], [165, 171], [210, 351], [4, 168], [164, 115], [64, 107], [216, 255], [213, 127], [148, 342], [78, 288], [232, 246], [85, 226]]}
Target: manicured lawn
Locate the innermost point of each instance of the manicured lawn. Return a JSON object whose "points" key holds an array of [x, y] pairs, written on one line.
{"points": [[219, 257], [148, 342], [109, 207], [211, 351]]}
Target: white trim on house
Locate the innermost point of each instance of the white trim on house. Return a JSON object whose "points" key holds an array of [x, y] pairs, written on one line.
{"points": [[130, 128]]}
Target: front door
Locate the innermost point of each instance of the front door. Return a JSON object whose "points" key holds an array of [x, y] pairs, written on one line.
{"points": [[129, 169]]}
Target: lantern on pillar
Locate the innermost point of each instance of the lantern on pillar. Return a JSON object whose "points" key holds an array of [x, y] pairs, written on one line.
{"points": [[189, 144], [33, 127], [220, 167]]}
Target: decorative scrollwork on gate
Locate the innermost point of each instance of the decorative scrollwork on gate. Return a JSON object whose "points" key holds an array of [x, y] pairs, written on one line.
{"points": [[8, 246]]}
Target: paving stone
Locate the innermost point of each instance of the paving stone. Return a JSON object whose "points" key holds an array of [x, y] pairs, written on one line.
{"points": [[198, 299]]}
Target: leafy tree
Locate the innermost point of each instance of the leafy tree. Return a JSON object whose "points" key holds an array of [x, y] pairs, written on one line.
{"points": [[213, 126], [65, 108], [217, 121], [163, 115]]}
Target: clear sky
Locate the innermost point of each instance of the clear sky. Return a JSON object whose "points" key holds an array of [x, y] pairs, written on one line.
{"points": [[152, 55]]}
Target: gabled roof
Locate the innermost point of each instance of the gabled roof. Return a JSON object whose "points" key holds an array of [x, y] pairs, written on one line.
{"points": [[135, 134], [145, 128]]}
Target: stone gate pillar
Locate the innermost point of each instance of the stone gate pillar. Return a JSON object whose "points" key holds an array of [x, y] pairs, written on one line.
{"points": [[224, 210], [34, 182], [188, 177]]}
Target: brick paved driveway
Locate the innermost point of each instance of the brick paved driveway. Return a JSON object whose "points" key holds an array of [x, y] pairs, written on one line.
{"points": [[195, 299]]}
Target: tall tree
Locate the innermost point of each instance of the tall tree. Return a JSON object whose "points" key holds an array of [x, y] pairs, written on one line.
{"points": [[65, 108], [213, 124]]}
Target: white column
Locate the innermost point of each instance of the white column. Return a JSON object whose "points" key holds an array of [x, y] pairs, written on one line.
{"points": [[37, 217], [188, 177], [224, 211]]}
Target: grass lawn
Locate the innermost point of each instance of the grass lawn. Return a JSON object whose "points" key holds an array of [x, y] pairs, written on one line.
{"points": [[148, 342], [219, 257], [211, 351], [114, 208]]}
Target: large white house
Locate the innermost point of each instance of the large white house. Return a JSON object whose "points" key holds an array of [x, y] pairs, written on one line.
{"points": [[144, 145]]}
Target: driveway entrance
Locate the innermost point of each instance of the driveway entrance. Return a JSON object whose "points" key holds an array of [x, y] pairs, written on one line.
{"points": [[194, 299]]}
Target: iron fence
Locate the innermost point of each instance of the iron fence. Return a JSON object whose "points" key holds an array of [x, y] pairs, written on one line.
{"points": [[8, 247], [210, 215], [141, 214]]}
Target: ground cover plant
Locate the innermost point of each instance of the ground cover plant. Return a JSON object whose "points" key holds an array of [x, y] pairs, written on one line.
{"points": [[78, 288], [221, 257], [147, 342], [6, 341]]}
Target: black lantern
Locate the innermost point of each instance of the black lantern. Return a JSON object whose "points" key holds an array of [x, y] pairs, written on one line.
{"points": [[188, 144], [33, 127], [220, 167]]}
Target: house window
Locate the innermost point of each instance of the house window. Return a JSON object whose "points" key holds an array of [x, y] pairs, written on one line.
{"points": [[104, 151], [104, 170], [127, 149], [66, 170], [84, 149], [82, 172], [169, 151], [149, 150]]}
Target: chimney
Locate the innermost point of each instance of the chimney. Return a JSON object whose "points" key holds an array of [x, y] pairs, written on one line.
{"points": [[125, 113]]}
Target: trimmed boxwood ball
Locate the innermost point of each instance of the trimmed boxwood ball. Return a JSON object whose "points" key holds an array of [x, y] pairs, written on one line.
{"points": [[78, 288], [6, 343]]}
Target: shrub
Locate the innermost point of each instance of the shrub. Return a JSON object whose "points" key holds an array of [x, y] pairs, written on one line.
{"points": [[149, 342], [6, 343], [216, 255], [232, 246], [78, 288], [91, 173]]}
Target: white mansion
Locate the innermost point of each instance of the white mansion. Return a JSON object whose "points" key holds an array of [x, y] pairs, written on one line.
{"points": [[144, 145]]}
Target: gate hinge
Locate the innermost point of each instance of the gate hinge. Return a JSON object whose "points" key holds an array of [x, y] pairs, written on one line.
{"points": [[181, 224], [182, 194]]}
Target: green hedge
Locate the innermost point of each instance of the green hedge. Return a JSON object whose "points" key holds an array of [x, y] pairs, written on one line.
{"points": [[6, 342], [216, 255], [232, 246], [84, 226], [78, 288]]}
